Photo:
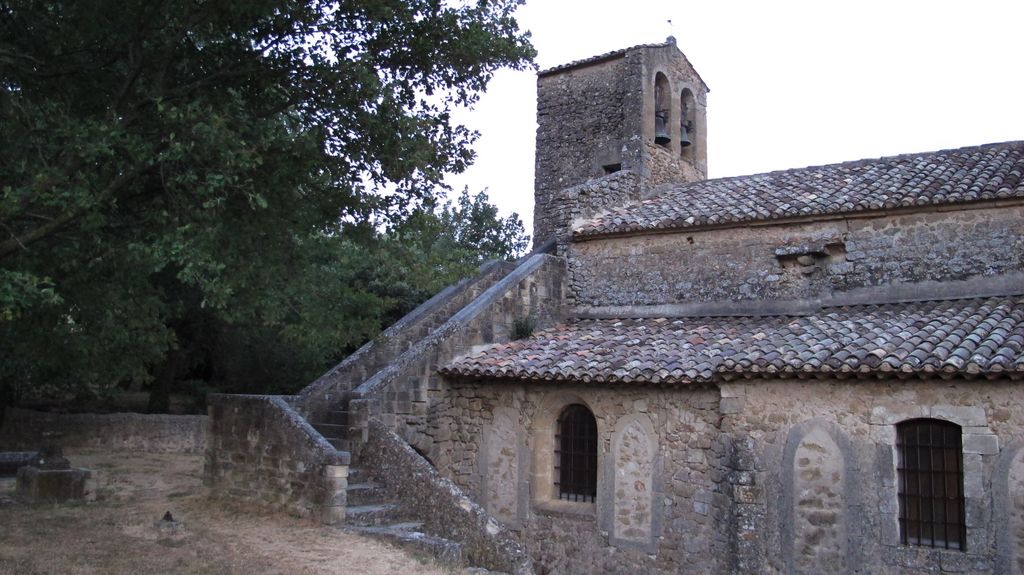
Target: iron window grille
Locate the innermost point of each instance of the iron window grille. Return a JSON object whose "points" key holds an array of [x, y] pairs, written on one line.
{"points": [[576, 454], [931, 479]]}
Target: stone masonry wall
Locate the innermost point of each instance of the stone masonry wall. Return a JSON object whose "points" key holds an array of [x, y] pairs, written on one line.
{"points": [[581, 127], [262, 452], [815, 480], [797, 260], [667, 167], [23, 429], [662, 477], [757, 476], [584, 200]]}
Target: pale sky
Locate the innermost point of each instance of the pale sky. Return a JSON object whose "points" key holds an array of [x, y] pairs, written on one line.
{"points": [[792, 83]]}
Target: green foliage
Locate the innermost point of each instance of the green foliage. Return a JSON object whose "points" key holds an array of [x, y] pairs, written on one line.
{"points": [[522, 327], [436, 246], [202, 176], [369, 280], [20, 291]]}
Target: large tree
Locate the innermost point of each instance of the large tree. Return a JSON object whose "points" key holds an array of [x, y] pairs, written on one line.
{"points": [[383, 275], [164, 164]]}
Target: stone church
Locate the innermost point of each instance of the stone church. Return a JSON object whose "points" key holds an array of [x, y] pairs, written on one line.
{"points": [[813, 370]]}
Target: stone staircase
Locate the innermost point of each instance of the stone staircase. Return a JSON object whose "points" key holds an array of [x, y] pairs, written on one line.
{"points": [[389, 371], [372, 512], [333, 425], [361, 447], [327, 399]]}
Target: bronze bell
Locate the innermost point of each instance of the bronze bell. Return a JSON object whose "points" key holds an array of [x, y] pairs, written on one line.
{"points": [[661, 136], [684, 134]]}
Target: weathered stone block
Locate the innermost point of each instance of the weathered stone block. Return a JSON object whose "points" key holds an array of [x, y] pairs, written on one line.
{"points": [[981, 444], [883, 434], [55, 485], [336, 471], [732, 405], [748, 494], [732, 390], [700, 507], [963, 415], [974, 476]]}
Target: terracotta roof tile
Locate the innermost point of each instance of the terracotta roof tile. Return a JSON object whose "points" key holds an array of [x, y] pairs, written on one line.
{"points": [[993, 171], [981, 337]]}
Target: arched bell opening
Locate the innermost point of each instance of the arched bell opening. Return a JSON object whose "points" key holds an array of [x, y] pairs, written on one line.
{"points": [[687, 125], [662, 110]]}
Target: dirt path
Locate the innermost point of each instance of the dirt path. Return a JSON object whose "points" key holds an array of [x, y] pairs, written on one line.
{"points": [[118, 533]]}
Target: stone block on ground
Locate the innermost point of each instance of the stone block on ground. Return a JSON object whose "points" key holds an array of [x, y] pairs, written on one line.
{"points": [[55, 485]]}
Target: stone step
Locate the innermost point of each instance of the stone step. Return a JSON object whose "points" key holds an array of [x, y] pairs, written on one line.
{"points": [[408, 537], [330, 430], [371, 515], [365, 493], [333, 417], [339, 444]]}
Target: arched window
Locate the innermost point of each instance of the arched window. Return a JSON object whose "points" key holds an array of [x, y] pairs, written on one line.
{"points": [[662, 110], [576, 454], [687, 124], [931, 484]]}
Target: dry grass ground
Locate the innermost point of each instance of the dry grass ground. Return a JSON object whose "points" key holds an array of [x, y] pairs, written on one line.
{"points": [[119, 532]]}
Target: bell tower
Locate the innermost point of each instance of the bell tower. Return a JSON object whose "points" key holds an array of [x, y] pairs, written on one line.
{"points": [[639, 110]]}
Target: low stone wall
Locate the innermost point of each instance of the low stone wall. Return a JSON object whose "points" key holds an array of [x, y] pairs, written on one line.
{"points": [[23, 429], [443, 507], [262, 452]]}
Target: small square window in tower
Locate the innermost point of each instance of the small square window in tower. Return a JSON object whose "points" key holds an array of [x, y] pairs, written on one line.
{"points": [[931, 484], [576, 454]]}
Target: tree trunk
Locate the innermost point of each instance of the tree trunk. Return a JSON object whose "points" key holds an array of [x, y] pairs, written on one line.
{"points": [[164, 377]]}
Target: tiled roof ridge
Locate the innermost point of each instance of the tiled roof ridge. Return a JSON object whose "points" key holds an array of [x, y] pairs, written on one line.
{"points": [[600, 57], [777, 317], [662, 209], [845, 164], [979, 337]]}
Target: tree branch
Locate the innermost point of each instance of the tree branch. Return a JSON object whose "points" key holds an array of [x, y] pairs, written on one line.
{"points": [[19, 243]]}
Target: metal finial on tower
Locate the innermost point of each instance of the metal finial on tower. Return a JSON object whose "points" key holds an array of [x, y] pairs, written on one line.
{"points": [[671, 33]]}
